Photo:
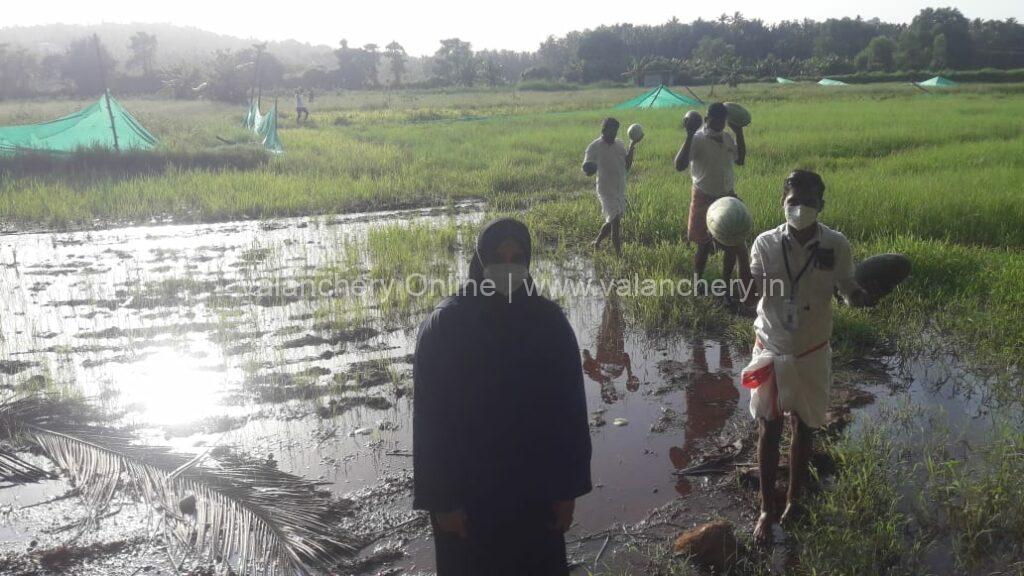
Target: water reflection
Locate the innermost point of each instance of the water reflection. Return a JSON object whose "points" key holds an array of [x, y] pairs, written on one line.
{"points": [[169, 330], [711, 398], [611, 359]]}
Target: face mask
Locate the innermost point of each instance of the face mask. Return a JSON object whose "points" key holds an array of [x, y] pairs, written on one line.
{"points": [[800, 217], [507, 278]]}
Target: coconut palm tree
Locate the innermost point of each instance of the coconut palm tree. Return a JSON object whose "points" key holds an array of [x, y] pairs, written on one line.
{"points": [[251, 517], [636, 70]]}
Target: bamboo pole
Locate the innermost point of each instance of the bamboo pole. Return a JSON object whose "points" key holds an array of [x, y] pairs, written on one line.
{"points": [[106, 91]]}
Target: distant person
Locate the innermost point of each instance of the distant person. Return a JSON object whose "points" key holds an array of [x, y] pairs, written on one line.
{"points": [[301, 112], [310, 94], [501, 442], [610, 160], [710, 152], [794, 323]]}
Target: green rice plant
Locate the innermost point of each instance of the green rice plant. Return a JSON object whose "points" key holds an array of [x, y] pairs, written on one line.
{"points": [[854, 526], [981, 499], [935, 177], [412, 264], [97, 165]]}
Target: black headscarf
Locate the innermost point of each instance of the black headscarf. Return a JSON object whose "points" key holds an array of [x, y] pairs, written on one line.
{"points": [[491, 237]]}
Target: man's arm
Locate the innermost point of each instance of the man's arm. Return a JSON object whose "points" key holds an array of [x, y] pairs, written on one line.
{"points": [[589, 165], [630, 154], [741, 146], [846, 281], [755, 272], [683, 157]]}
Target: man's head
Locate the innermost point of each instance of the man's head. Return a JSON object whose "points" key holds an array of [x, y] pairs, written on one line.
{"points": [[718, 115], [804, 188], [803, 197], [609, 129]]}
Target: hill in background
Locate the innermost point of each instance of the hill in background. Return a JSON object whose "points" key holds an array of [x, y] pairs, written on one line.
{"points": [[177, 44]]}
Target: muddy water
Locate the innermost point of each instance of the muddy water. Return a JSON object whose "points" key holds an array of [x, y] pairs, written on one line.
{"points": [[168, 324], [162, 322]]}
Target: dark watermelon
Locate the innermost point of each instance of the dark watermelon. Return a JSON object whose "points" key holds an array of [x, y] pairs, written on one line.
{"points": [[692, 120], [879, 275]]}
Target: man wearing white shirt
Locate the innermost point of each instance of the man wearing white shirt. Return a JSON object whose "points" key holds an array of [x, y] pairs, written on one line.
{"points": [[796, 267], [609, 158], [301, 112], [710, 152]]}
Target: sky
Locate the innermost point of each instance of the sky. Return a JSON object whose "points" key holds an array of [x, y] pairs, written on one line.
{"points": [[419, 25]]}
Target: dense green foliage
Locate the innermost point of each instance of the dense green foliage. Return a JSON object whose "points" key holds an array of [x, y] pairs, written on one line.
{"points": [[730, 49]]}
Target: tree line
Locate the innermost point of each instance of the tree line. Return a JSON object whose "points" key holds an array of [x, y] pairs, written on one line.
{"points": [[729, 49]]}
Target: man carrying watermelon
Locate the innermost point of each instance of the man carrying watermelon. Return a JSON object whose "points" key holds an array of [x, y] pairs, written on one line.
{"points": [[796, 267], [610, 160], [710, 152]]}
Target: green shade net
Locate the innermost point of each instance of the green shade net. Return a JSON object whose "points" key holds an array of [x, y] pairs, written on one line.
{"points": [[92, 127], [829, 82], [781, 80], [660, 97], [264, 126], [938, 82]]}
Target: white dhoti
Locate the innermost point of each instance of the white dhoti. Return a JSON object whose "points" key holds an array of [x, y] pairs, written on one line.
{"points": [[613, 204], [799, 384], [610, 160]]}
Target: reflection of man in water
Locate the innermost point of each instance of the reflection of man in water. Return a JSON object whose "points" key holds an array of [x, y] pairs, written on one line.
{"points": [[611, 359], [710, 400]]}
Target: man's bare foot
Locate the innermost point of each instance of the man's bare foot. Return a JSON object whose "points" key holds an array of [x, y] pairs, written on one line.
{"points": [[763, 528], [792, 512]]}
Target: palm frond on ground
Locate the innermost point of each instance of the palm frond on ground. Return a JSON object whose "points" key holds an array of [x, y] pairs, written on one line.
{"points": [[251, 516], [15, 470]]}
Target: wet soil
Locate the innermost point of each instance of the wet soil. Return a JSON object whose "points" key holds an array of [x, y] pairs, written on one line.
{"points": [[164, 322]]}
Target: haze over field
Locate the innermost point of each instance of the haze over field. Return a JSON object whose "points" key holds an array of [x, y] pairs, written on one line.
{"points": [[419, 25], [226, 230]]}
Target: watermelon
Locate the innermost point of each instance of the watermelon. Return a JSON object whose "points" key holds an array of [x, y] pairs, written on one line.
{"points": [[879, 275], [692, 120], [729, 221], [635, 132], [738, 115]]}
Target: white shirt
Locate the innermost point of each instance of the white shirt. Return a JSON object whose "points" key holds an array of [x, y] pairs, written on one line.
{"points": [[611, 167], [711, 162], [814, 290]]}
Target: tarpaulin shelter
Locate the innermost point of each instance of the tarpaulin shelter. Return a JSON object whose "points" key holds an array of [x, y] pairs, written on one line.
{"points": [[660, 97], [264, 126], [781, 80], [830, 82], [104, 124], [938, 82]]}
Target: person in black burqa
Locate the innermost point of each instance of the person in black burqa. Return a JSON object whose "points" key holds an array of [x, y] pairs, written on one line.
{"points": [[501, 445]]}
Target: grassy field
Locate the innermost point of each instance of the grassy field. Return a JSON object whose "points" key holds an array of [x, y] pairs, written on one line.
{"points": [[936, 176]]}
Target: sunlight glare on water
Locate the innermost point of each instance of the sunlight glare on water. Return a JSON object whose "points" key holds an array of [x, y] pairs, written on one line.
{"points": [[172, 386]]}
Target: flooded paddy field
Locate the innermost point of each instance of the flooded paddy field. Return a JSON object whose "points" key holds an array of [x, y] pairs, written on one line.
{"points": [[283, 342]]}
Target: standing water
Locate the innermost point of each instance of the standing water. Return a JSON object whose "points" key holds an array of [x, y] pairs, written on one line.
{"points": [[174, 326]]}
